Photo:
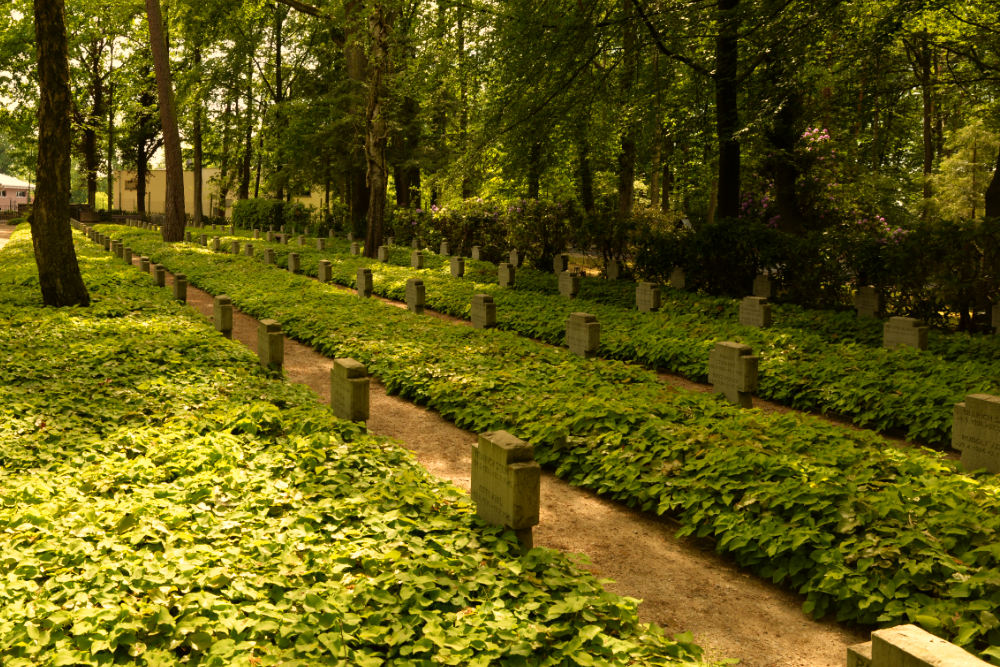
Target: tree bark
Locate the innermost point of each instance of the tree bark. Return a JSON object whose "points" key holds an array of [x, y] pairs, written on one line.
{"points": [[585, 173], [51, 235], [993, 193], [535, 170], [173, 226], [376, 128], [727, 109], [626, 157], [357, 72], [111, 130], [197, 213]]}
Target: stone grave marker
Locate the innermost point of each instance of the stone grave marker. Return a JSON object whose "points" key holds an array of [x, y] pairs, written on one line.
{"points": [[256, 233], [513, 259], [324, 272], [364, 282], [302, 242], [614, 270], [391, 240], [476, 253], [269, 256], [248, 250], [349, 388], [583, 334], [867, 301], [180, 287], [283, 238], [415, 294], [506, 483], [127, 255], [647, 297], [569, 284], [270, 345], [383, 253], [350, 236], [755, 311], [677, 278], [216, 243], [320, 244], [975, 432], [900, 331], [282, 230], [203, 239], [560, 263], [234, 247], [417, 259], [187, 236], [763, 286], [457, 266], [270, 237], [159, 275], [909, 646], [414, 244], [329, 234], [483, 311], [732, 371], [293, 262], [355, 248], [222, 315], [505, 274], [144, 264], [443, 250]]}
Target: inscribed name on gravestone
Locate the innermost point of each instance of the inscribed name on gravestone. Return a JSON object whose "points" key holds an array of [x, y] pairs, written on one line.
{"points": [[867, 302], [763, 286], [732, 371], [975, 432], [899, 331], [647, 297], [506, 481], [755, 311]]}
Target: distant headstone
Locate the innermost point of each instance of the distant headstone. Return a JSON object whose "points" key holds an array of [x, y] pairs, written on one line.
{"points": [[187, 236], [320, 244], [216, 244], [293, 262], [270, 345], [269, 255], [506, 483], [909, 646], [355, 248], [248, 250], [180, 287], [350, 236], [513, 259], [457, 266], [476, 253], [282, 229], [976, 432], [391, 240], [349, 388], [677, 278], [302, 241], [583, 334], [364, 282], [505, 274], [256, 233], [203, 239], [483, 311], [647, 297], [234, 247], [159, 275], [899, 331], [417, 259], [560, 263], [443, 250], [222, 315], [270, 237], [127, 255], [283, 238], [755, 311], [414, 243], [329, 234], [415, 295], [763, 286], [569, 284], [144, 264], [324, 272], [867, 301], [614, 270], [383, 253], [732, 371]]}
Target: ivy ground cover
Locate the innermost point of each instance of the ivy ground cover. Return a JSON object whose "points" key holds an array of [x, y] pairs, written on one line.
{"points": [[866, 532], [165, 502], [810, 360]]}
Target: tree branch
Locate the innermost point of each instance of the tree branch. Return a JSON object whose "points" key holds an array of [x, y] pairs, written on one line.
{"points": [[679, 57]]}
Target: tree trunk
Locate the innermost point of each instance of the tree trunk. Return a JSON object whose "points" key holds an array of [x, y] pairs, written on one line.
{"points": [[51, 235], [244, 189], [173, 225], [463, 98], [585, 173], [668, 174], [727, 110], [376, 128], [140, 179], [783, 135], [630, 71], [926, 96], [535, 170], [993, 193], [196, 214], [357, 72], [280, 12], [111, 131]]}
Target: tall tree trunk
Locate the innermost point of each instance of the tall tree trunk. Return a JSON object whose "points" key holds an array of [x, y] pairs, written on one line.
{"points": [[626, 157], [197, 213], [280, 12], [376, 127], [140, 179], [463, 99], [111, 129], [244, 190], [535, 170], [926, 95], [585, 173], [727, 109], [51, 235], [173, 226], [224, 182], [357, 72], [783, 135], [993, 193], [668, 174], [260, 159]]}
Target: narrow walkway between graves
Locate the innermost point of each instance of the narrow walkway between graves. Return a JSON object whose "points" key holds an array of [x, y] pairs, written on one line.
{"points": [[5, 232], [683, 584]]}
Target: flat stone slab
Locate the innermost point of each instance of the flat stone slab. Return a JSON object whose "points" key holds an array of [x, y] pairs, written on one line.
{"points": [[506, 481], [910, 646], [908, 331], [975, 432], [732, 371]]}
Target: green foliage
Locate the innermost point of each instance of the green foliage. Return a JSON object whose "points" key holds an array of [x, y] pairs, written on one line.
{"points": [[267, 213]]}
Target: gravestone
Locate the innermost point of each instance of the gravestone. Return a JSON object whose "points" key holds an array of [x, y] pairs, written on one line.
{"points": [[383, 253], [560, 263], [417, 259], [320, 244], [159, 275], [180, 287], [270, 345], [506, 483], [293, 262], [909, 646], [216, 244], [270, 237], [283, 238], [975, 432], [476, 253], [443, 250], [569, 284], [355, 248], [203, 239], [457, 266], [187, 236], [415, 295], [349, 388], [867, 301], [144, 264], [127, 255], [222, 315], [391, 240], [248, 250], [329, 234], [732, 371], [677, 278], [269, 255], [256, 233], [282, 230], [350, 236], [302, 242], [647, 297], [364, 282], [763, 286], [324, 272], [414, 244], [755, 311], [900, 331], [483, 312], [513, 259], [234, 247], [583, 334], [505, 274], [614, 270]]}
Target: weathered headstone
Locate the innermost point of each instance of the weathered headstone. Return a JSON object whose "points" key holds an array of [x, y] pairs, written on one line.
{"points": [[350, 236], [647, 297], [583, 334], [677, 278], [383, 253], [187, 236], [614, 269], [349, 388], [732, 371], [560, 263], [755, 311], [203, 239], [417, 259], [569, 284], [256, 233], [222, 315], [483, 311], [364, 282], [867, 301], [909, 646], [320, 244], [216, 244], [127, 255], [180, 287], [283, 238], [513, 258], [476, 253], [975, 432], [248, 250], [415, 294], [443, 250], [391, 240], [355, 248], [270, 345], [293, 262], [457, 266], [414, 243], [234, 247], [329, 234], [302, 241], [144, 264], [506, 483], [270, 237], [159, 275], [763, 286], [900, 331], [269, 256], [505, 274]]}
